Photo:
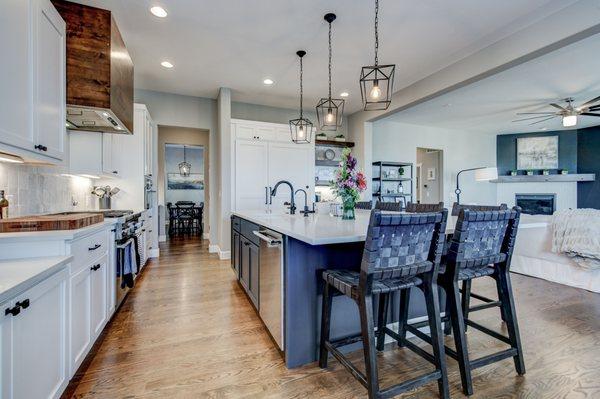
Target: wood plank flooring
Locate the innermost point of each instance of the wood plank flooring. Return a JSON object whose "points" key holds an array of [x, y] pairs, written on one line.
{"points": [[188, 331]]}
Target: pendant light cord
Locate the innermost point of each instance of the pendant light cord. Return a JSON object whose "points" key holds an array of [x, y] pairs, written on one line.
{"points": [[330, 61], [301, 88], [376, 31]]}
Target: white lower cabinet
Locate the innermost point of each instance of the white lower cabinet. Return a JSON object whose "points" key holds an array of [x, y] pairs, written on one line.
{"points": [[89, 308], [34, 341], [81, 337]]}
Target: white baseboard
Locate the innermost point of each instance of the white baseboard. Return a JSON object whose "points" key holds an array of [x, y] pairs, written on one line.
{"points": [[206, 236], [213, 249], [154, 253], [224, 255], [162, 238]]}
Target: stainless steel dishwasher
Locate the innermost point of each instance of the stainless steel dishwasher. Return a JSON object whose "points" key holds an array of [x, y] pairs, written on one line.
{"points": [[271, 282]]}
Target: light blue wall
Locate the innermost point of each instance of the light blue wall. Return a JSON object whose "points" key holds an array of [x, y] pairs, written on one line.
{"points": [[173, 156]]}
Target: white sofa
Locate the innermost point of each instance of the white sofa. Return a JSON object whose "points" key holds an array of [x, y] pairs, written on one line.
{"points": [[533, 256]]}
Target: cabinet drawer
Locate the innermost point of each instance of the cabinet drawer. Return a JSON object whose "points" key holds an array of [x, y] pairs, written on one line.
{"points": [[87, 249], [235, 223], [247, 229]]}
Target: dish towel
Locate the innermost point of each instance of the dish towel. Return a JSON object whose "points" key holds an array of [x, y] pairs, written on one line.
{"points": [[129, 264]]}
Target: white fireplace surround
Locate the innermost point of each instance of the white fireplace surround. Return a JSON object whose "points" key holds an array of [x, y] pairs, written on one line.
{"points": [[566, 192]]}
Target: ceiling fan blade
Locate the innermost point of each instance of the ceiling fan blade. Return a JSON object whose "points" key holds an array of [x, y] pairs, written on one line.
{"points": [[589, 114], [593, 100], [558, 106], [534, 117], [536, 113], [543, 120], [594, 108]]}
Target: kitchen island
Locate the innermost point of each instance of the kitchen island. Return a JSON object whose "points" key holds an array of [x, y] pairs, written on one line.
{"points": [[307, 246]]}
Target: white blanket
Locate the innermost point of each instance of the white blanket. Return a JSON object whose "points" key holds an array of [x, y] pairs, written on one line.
{"points": [[576, 233]]}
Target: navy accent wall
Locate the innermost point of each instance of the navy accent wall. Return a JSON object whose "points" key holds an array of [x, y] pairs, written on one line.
{"points": [[506, 150], [588, 161]]}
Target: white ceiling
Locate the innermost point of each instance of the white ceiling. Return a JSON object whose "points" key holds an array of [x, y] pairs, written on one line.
{"points": [[491, 104], [237, 43]]}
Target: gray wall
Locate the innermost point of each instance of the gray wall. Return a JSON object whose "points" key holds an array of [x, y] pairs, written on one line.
{"points": [[588, 158], [174, 156]]}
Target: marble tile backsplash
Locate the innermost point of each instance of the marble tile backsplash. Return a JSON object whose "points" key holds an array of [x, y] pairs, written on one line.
{"points": [[33, 190]]}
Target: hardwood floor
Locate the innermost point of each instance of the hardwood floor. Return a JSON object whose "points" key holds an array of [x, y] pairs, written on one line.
{"points": [[187, 331]]}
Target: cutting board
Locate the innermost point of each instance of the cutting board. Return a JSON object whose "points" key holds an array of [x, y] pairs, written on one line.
{"points": [[69, 221]]}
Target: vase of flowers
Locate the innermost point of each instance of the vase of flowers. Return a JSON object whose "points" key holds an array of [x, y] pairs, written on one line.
{"points": [[349, 182]]}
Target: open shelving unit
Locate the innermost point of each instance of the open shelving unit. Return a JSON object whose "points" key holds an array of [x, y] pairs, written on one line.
{"points": [[324, 167], [391, 185]]}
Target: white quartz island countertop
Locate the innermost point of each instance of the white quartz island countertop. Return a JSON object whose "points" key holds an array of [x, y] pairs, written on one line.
{"points": [[17, 275], [323, 229]]}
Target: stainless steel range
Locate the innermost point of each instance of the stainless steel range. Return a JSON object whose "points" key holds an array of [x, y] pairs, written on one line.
{"points": [[128, 231]]}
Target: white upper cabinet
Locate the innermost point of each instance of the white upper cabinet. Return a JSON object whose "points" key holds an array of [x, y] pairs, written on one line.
{"points": [[251, 179], [49, 75], [32, 99], [16, 95]]}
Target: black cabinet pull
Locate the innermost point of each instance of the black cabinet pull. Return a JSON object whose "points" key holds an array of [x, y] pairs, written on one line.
{"points": [[95, 247], [116, 172], [40, 147], [95, 267], [23, 304], [15, 310]]}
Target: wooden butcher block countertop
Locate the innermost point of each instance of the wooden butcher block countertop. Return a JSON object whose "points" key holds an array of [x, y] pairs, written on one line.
{"points": [[59, 221]]}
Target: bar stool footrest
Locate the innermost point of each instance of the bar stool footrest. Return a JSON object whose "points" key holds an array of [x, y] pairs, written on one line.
{"points": [[409, 385], [487, 331], [494, 357], [338, 343]]}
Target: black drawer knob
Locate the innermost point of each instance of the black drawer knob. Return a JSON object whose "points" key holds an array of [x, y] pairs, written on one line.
{"points": [[15, 310], [95, 267], [23, 304], [95, 247]]}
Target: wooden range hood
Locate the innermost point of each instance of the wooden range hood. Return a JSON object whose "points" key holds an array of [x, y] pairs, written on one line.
{"points": [[99, 71]]}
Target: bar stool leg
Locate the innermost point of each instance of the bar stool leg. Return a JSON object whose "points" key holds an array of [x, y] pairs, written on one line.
{"points": [[403, 316], [502, 313], [447, 313], [325, 324], [508, 304], [460, 341], [382, 320], [466, 299], [365, 305], [432, 300]]}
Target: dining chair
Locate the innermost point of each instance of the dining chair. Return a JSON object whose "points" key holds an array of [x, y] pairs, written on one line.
{"points": [[456, 207], [401, 251]]}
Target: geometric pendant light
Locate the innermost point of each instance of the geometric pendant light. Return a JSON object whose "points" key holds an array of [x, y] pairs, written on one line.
{"points": [[330, 111], [377, 81], [301, 128], [184, 167]]}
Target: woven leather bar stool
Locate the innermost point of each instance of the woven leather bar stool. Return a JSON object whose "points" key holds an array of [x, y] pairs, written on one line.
{"points": [[481, 246], [401, 251], [420, 208]]}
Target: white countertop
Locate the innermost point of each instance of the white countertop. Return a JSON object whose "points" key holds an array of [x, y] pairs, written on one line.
{"points": [[17, 275], [322, 229]]}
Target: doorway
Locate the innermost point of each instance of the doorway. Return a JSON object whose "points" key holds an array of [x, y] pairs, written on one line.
{"points": [[430, 175], [172, 186]]}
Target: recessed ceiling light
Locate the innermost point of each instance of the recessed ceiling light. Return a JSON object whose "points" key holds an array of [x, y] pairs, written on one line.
{"points": [[268, 81], [344, 94], [166, 64], [158, 11]]}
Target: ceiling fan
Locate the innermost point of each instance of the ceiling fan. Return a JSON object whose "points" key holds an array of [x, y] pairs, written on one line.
{"points": [[568, 113]]}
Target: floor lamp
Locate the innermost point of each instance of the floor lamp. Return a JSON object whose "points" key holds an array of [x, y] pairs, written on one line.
{"points": [[483, 173]]}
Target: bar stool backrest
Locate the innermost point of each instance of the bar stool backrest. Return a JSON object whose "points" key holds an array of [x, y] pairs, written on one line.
{"points": [[482, 238], [421, 208], [456, 208], [402, 245], [364, 205], [389, 206]]}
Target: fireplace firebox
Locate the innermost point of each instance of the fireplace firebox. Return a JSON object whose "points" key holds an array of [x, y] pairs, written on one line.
{"points": [[536, 204]]}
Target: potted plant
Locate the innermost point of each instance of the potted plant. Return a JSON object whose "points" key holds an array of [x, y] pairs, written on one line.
{"points": [[321, 136], [514, 172], [546, 172], [340, 137], [564, 172], [529, 172], [401, 171], [348, 184]]}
